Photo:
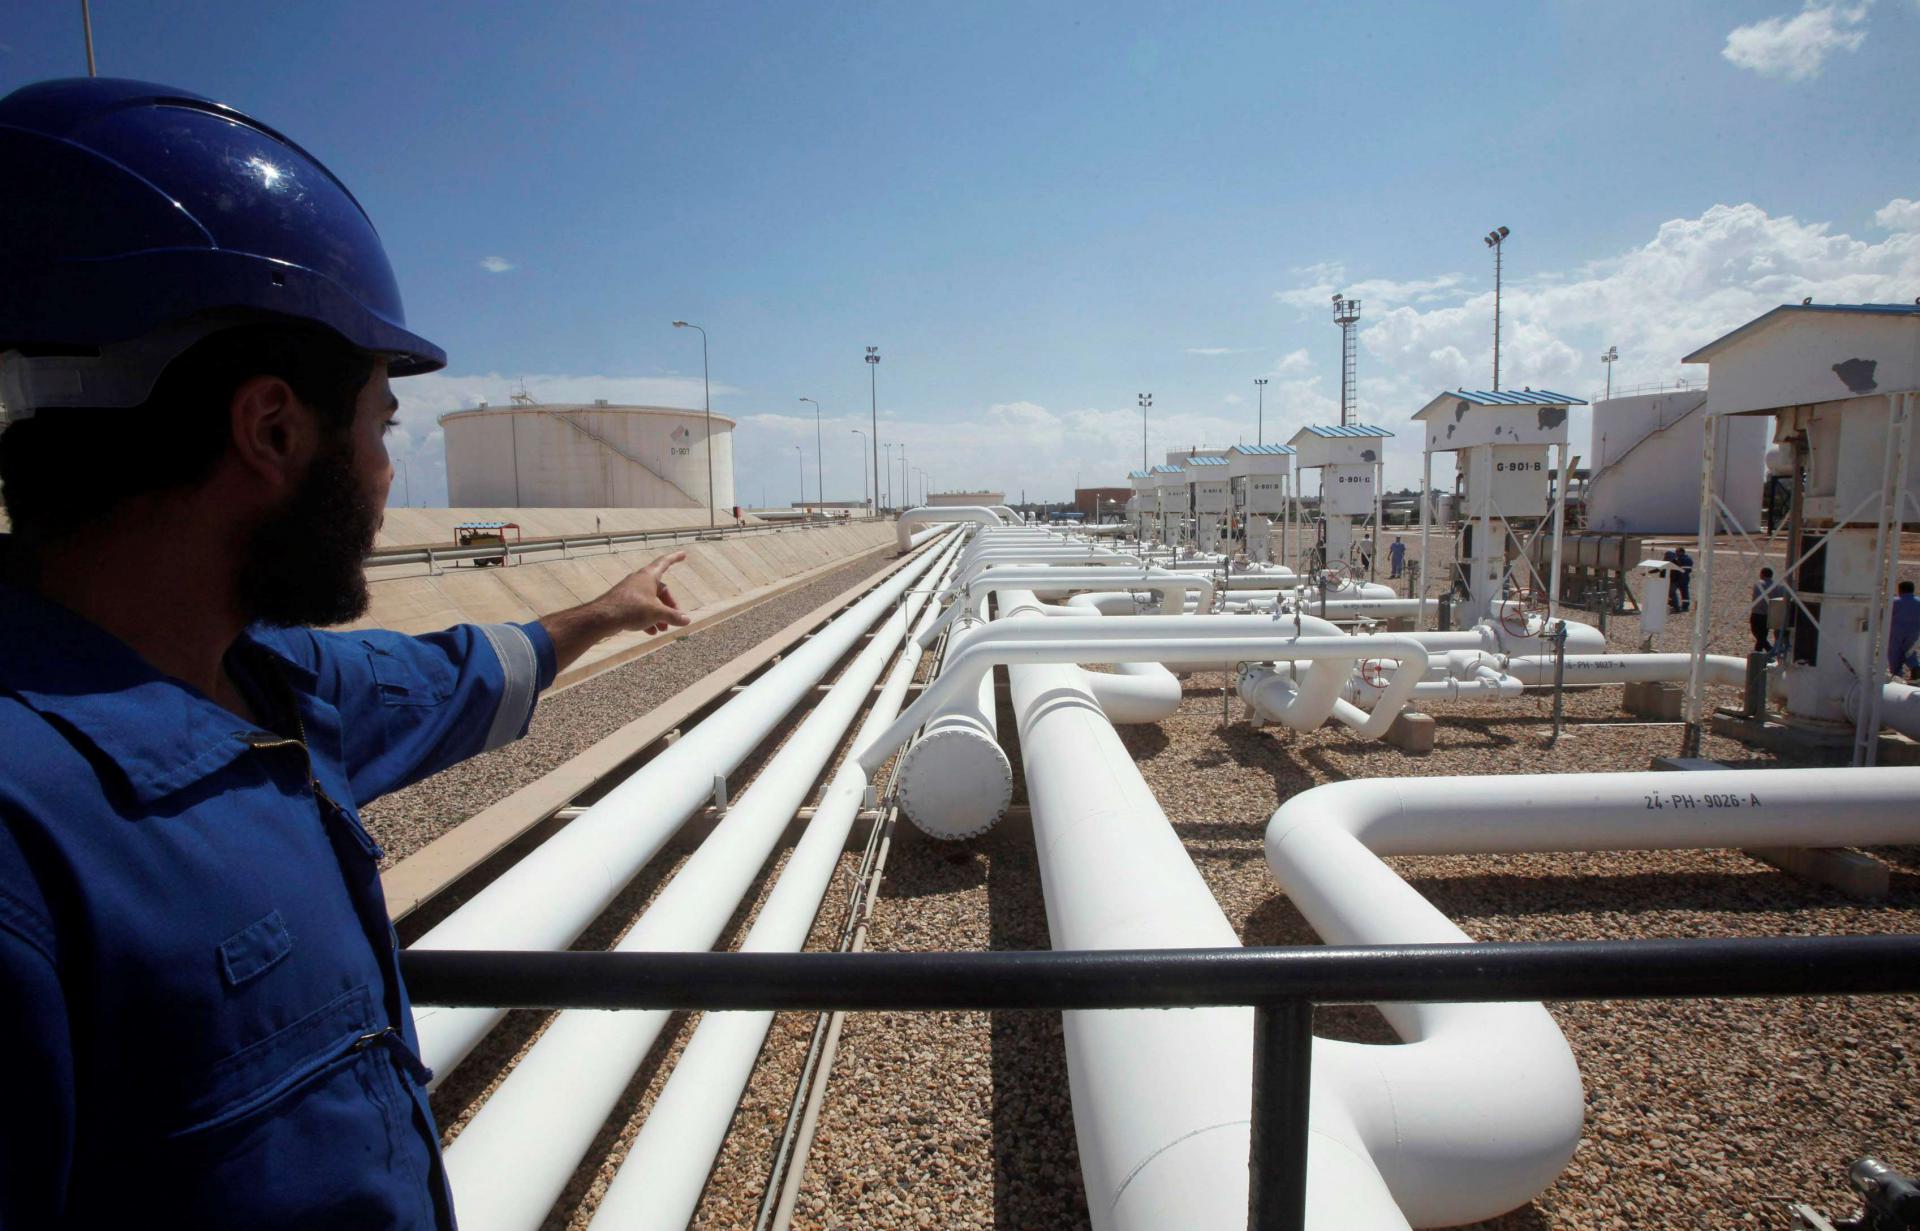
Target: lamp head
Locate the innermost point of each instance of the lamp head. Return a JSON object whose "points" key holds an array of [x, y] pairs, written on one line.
{"points": [[679, 324]]}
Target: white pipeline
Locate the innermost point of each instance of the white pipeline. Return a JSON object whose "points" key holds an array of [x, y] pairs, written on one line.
{"points": [[1481, 1108], [548, 898], [516, 1154], [660, 1182], [913, 519]]}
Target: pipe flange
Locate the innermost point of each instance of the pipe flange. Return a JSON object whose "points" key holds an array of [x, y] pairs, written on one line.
{"points": [[955, 784]]}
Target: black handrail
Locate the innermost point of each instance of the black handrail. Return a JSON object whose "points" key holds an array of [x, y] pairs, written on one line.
{"points": [[1282, 984]]}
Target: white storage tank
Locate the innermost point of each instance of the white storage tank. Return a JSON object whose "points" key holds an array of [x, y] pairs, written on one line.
{"points": [[586, 456]]}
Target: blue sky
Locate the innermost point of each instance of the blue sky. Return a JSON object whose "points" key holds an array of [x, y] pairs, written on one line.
{"points": [[1037, 211]]}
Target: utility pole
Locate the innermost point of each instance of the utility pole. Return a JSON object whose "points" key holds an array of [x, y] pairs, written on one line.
{"points": [[706, 384], [873, 366], [1496, 240]]}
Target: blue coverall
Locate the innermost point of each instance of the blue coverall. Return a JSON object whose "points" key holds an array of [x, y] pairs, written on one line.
{"points": [[1903, 632], [201, 1014]]}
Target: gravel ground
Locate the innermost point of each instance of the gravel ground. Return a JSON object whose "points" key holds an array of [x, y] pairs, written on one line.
{"points": [[1699, 1114], [569, 722]]}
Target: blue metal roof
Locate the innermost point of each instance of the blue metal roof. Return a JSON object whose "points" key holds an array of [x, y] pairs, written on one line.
{"points": [[1351, 429], [1206, 461], [1158, 469], [1871, 309], [1513, 397], [1138, 474], [486, 525], [1266, 450]]}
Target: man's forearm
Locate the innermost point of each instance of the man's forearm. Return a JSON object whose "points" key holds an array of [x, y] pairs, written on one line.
{"points": [[577, 629], [641, 601]]}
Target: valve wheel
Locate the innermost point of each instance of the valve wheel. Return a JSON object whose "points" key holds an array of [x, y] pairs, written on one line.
{"points": [[1523, 615], [1374, 673]]}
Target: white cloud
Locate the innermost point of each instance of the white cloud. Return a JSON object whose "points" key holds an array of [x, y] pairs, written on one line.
{"points": [[1797, 47], [1233, 399], [1213, 351], [1899, 214], [1330, 278], [1694, 279], [496, 264]]}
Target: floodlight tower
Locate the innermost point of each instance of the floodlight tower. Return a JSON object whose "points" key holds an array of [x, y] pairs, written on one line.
{"points": [[1346, 314], [1495, 239], [1613, 353]]}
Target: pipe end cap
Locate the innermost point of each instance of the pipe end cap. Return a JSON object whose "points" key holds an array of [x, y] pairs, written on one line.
{"points": [[955, 784]]}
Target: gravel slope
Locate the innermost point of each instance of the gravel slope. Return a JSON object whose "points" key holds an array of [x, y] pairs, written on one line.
{"points": [[569, 722]]}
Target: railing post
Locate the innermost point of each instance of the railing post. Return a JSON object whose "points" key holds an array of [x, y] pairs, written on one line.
{"points": [[1282, 1085]]}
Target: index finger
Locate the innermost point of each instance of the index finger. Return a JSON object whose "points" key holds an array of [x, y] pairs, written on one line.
{"points": [[668, 561]]}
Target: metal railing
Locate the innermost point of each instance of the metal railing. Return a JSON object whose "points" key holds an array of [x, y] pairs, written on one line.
{"points": [[431, 556], [1281, 984]]}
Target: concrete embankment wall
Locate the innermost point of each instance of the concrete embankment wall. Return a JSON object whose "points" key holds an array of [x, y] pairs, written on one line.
{"points": [[716, 577]]}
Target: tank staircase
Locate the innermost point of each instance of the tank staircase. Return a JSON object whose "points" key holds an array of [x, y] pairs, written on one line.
{"points": [[619, 452]]}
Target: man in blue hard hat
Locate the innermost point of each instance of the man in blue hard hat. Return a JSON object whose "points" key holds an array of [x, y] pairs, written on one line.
{"points": [[200, 1005]]}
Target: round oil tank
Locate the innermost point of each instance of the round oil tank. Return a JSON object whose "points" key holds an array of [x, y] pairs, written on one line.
{"points": [[586, 456]]}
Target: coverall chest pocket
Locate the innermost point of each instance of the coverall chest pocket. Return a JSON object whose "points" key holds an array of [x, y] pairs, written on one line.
{"points": [[425, 679]]}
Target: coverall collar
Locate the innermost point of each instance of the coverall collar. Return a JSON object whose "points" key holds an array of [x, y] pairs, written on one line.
{"points": [[159, 732]]}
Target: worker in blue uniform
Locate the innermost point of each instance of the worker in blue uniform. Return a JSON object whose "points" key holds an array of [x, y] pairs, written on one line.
{"points": [[201, 1014]]}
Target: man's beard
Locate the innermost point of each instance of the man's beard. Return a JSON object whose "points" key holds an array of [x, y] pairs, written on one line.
{"points": [[306, 562]]}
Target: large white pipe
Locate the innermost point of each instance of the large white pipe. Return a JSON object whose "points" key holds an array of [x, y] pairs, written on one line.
{"points": [[1198, 641], [1161, 1098], [660, 1181], [913, 519], [1538, 669], [1172, 587], [513, 1159], [955, 781], [1481, 1108], [549, 897]]}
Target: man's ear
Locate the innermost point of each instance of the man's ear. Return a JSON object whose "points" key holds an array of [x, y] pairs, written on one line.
{"points": [[272, 431]]}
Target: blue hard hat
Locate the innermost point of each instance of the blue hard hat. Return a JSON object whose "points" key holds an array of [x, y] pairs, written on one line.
{"points": [[128, 206]]}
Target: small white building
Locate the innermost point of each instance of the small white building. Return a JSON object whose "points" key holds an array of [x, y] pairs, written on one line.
{"points": [[951, 500], [1261, 474]]}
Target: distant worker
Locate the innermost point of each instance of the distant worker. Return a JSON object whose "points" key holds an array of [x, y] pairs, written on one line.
{"points": [[1397, 556], [1680, 589], [200, 998], [1764, 590], [1903, 633]]}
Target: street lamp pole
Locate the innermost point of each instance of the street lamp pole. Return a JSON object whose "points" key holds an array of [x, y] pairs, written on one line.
{"points": [[923, 483], [1260, 423], [1496, 239], [906, 480], [888, 446], [407, 477], [1146, 404], [864, 445], [800, 460], [873, 399], [706, 385], [819, 483]]}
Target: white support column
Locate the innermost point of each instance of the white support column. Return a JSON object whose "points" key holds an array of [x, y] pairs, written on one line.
{"points": [[1559, 529], [1697, 677], [1886, 560], [1426, 564]]}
